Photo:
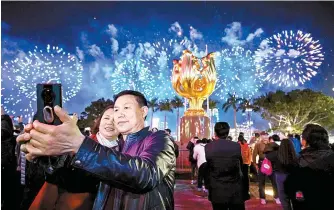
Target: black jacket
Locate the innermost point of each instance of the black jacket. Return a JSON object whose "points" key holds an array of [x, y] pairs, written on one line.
{"points": [[141, 177], [8, 143], [224, 162], [314, 178]]}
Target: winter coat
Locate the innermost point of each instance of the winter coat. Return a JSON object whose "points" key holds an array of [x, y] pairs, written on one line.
{"points": [[314, 178], [8, 143], [142, 176], [224, 162]]}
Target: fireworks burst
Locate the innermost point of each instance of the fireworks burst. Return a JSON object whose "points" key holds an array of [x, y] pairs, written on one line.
{"points": [[131, 74], [160, 62], [236, 73], [288, 58], [40, 66]]}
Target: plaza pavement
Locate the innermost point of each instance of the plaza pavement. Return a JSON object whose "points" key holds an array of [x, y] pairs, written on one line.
{"points": [[186, 197]]}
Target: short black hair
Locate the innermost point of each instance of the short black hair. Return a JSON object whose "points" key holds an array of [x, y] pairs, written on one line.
{"points": [[275, 137], [257, 135], [297, 136], [315, 136], [290, 135], [198, 141], [222, 130], [196, 137], [140, 98], [168, 130]]}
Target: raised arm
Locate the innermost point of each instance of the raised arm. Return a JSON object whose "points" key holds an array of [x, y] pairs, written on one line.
{"points": [[137, 174]]}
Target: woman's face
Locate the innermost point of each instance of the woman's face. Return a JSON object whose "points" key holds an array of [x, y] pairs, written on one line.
{"points": [[107, 128]]}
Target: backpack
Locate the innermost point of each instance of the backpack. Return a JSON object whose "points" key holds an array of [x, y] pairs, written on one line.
{"points": [[266, 167]]}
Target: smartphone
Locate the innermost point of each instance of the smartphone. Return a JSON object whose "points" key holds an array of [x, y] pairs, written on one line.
{"points": [[48, 96]]}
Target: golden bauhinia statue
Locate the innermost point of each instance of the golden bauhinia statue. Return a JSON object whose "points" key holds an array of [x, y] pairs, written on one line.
{"points": [[194, 79]]}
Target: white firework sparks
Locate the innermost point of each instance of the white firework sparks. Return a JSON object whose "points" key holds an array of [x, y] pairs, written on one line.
{"points": [[52, 65], [289, 58]]}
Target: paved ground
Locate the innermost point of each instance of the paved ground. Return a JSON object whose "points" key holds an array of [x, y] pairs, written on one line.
{"points": [[186, 198]]}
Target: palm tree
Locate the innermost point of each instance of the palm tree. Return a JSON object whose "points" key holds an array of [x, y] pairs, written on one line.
{"points": [[212, 104], [232, 102], [166, 106], [177, 103], [153, 105]]}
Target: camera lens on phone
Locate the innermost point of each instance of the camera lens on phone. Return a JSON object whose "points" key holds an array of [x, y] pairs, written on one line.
{"points": [[48, 95]]}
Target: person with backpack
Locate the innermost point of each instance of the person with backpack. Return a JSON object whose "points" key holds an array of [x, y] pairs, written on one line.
{"points": [[259, 150]]}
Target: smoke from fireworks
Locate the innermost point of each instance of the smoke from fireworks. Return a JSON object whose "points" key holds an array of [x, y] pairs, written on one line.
{"points": [[289, 58], [236, 73], [21, 76]]}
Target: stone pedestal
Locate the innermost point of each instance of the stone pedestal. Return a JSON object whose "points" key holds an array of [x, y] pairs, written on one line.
{"points": [[191, 126]]}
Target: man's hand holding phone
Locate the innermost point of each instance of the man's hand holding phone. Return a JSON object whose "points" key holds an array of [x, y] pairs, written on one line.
{"points": [[42, 139]]}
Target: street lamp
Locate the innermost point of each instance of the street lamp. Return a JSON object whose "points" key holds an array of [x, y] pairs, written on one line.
{"points": [[249, 110]]}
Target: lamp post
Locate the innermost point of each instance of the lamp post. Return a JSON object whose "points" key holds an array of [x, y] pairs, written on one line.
{"points": [[249, 110]]}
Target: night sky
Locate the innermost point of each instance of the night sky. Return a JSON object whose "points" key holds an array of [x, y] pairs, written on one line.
{"points": [[104, 36]]}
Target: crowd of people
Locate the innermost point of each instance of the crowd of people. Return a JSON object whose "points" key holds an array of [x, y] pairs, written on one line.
{"points": [[121, 164], [300, 169]]}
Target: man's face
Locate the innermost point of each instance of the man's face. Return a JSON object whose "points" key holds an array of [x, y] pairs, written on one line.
{"points": [[129, 116]]}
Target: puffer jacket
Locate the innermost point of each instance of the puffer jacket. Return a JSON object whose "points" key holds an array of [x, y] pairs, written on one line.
{"points": [[142, 176]]}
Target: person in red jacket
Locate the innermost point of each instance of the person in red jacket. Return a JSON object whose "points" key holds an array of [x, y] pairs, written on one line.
{"points": [[246, 160]]}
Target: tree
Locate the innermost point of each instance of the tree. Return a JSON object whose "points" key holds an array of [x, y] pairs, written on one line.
{"points": [[212, 104], [153, 105], [290, 112], [232, 102], [92, 112], [177, 103], [165, 106]]}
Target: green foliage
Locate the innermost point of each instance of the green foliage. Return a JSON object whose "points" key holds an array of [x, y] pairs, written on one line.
{"points": [[212, 104], [177, 102], [232, 102], [291, 111], [92, 112], [166, 106], [246, 104], [153, 104]]}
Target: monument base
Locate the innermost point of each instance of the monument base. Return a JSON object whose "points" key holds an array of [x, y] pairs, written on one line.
{"points": [[191, 126]]}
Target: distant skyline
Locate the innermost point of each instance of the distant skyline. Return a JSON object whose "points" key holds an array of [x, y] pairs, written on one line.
{"points": [[113, 41]]}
